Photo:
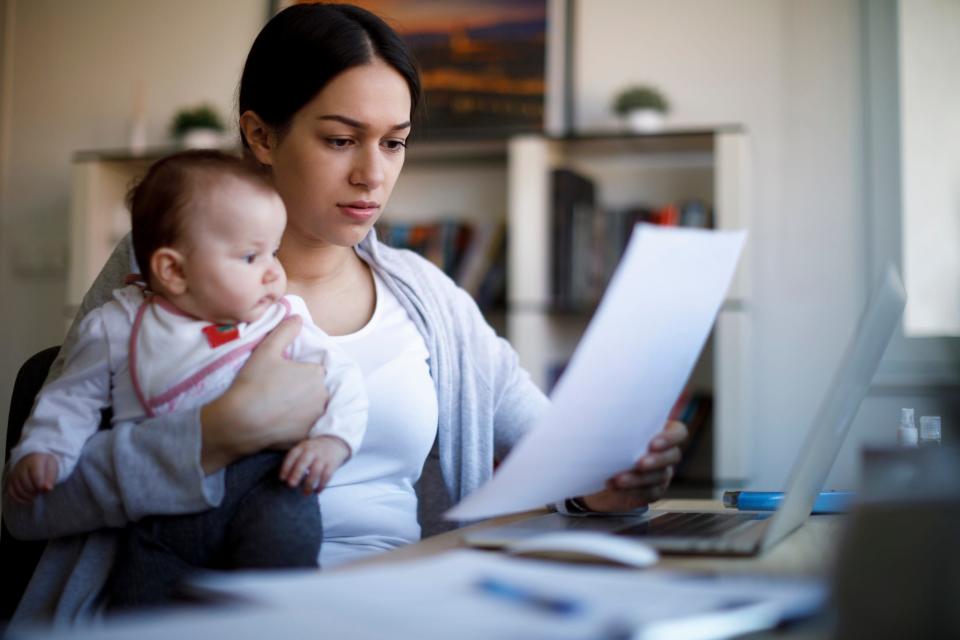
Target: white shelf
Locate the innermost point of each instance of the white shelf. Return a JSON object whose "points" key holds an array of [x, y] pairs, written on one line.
{"points": [[710, 165], [98, 216], [491, 180]]}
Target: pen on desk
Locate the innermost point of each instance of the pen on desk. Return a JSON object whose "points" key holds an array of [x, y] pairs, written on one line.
{"points": [[527, 596], [826, 502]]}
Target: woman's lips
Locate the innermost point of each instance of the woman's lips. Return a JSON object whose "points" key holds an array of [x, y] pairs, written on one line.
{"points": [[359, 210]]}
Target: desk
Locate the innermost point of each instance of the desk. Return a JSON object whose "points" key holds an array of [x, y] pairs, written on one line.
{"points": [[808, 551], [805, 552]]}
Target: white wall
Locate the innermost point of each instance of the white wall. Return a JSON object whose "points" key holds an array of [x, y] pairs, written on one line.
{"points": [[792, 73], [74, 68], [789, 71], [930, 134]]}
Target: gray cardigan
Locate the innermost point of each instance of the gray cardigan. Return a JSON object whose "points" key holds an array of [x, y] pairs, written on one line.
{"points": [[486, 402]]}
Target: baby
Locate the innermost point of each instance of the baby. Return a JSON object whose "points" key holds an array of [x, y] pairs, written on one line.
{"points": [[206, 230]]}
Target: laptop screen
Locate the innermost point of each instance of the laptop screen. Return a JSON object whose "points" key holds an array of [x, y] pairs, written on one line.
{"points": [[840, 405]]}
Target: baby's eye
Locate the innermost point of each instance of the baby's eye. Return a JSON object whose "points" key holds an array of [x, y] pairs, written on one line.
{"points": [[276, 252], [250, 258]]}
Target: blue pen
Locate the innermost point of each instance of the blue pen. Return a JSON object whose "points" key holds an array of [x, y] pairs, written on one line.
{"points": [[826, 502], [526, 596]]}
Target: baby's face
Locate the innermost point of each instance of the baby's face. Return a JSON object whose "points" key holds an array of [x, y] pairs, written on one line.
{"points": [[232, 234]]}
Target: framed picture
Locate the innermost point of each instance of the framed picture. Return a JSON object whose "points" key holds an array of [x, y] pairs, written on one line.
{"points": [[490, 68]]}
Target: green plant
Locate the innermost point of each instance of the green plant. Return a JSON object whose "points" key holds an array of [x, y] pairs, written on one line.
{"points": [[200, 117], [640, 97]]}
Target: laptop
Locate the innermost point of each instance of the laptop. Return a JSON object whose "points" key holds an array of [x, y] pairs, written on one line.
{"points": [[750, 533]]}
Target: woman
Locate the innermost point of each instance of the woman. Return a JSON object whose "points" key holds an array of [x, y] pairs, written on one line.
{"points": [[442, 387]]}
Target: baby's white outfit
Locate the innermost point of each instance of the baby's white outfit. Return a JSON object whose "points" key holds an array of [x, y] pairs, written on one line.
{"points": [[143, 356]]}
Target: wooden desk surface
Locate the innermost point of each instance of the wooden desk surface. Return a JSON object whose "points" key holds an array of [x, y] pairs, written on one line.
{"points": [[808, 551]]}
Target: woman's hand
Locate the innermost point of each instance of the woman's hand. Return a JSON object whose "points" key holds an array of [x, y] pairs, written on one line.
{"points": [[647, 480], [272, 403]]}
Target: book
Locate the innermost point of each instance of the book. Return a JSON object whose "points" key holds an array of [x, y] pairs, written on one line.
{"points": [[573, 209], [588, 240], [695, 213], [479, 255], [473, 254], [696, 412]]}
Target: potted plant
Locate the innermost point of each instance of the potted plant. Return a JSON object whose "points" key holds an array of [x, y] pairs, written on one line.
{"points": [[643, 107], [198, 127]]}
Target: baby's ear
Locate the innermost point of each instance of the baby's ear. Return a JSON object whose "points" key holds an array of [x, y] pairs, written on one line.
{"points": [[167, 268]]}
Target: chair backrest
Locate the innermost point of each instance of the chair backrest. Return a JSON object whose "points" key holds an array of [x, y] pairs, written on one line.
{"points": [[18, 557]]}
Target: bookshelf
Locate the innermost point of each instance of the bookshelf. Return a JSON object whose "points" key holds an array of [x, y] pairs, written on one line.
{"points": [[462, 181], [709, 165], [483, 182]]}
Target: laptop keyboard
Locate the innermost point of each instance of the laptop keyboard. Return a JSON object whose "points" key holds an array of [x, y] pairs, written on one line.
{"points": [[689, 525]]}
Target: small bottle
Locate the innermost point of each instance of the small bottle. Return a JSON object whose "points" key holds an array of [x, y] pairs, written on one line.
{"points": [[929, 431], [907, 434]]}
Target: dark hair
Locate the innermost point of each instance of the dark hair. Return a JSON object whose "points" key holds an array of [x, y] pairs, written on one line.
{"points": [[158, 201], [305, 46]]}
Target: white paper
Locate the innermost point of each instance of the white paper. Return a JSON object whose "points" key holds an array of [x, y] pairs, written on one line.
{"points": [[439, 598], [625, 375]]}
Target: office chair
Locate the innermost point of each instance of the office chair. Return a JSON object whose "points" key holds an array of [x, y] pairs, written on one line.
{"points": [[19, 557]]}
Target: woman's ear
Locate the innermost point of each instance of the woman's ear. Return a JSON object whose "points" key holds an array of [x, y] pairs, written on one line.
{"points": [[259, 136], [167, 269]]}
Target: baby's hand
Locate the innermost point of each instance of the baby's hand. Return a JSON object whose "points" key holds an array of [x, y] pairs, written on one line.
{"points": [[35, 474], [311, 463]]}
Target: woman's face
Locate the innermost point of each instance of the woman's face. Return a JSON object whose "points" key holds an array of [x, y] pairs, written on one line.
{"points": [[336, 165]]}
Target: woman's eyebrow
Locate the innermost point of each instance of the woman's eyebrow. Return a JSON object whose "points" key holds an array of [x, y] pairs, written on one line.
{"points": [[356, 124]]}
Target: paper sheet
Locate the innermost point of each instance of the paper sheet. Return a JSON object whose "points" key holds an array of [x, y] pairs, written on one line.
{"points": [[626, 374], [441, 597]]}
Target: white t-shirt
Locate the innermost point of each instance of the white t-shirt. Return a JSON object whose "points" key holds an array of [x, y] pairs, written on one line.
{"points": [[370, 504]]}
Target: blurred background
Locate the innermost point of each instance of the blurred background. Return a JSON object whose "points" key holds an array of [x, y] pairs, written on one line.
{"points": [[843, 116]]}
